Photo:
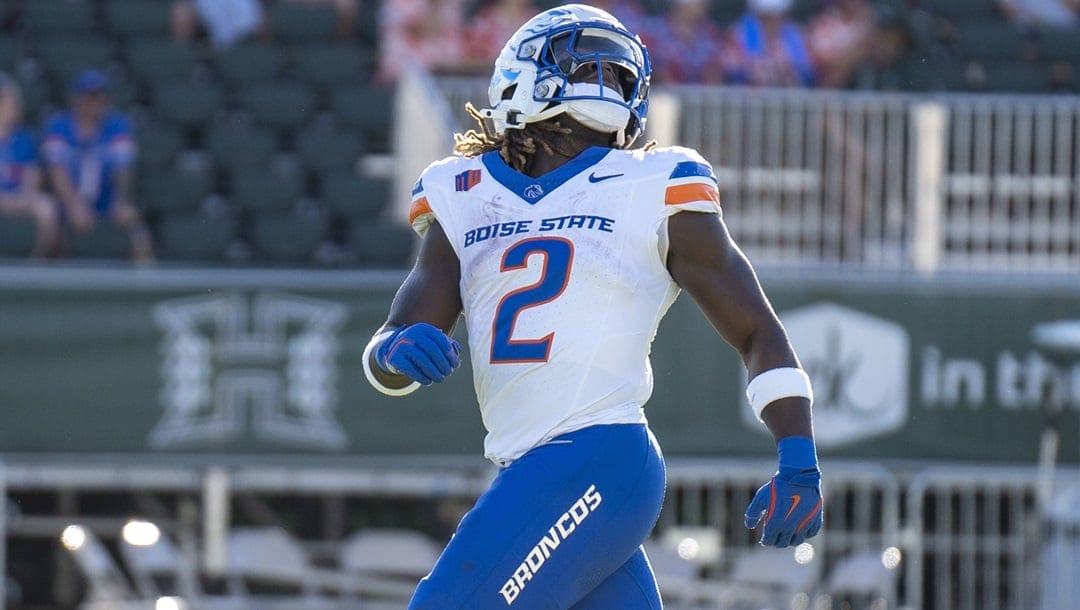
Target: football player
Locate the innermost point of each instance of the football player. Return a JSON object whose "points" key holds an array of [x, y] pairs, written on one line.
{"points": [[564, 247]]}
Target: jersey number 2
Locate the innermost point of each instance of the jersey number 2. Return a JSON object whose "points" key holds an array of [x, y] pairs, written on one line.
{"points": [[558, 255]]}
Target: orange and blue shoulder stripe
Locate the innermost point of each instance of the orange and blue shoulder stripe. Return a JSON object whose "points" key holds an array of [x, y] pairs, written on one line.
{"points": [[691, 182]]}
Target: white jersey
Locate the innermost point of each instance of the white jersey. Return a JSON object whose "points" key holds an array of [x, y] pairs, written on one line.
{"points": [[563, 281]]}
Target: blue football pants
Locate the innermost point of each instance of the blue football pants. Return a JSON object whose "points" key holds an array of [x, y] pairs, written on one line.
{"points": [[560, 528]]}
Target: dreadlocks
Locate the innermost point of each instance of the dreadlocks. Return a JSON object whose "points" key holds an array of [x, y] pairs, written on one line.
{"points": [[516, 146]]}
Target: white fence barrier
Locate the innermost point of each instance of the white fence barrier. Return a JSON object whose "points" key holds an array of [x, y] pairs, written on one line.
{"points": [[939, 538], [883, 181]]}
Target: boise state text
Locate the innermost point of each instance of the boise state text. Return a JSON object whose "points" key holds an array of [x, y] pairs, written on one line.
{"points": [[517, 227]]}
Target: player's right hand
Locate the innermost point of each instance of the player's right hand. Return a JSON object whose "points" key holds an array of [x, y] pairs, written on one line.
{"points": [[419, 351]]}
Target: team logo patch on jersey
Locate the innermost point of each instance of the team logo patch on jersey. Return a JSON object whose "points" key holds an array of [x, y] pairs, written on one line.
{"points": [[534, 191], [466, 180]]}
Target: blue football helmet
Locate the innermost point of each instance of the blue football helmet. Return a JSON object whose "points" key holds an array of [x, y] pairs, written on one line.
{"points": [[532, 78]]}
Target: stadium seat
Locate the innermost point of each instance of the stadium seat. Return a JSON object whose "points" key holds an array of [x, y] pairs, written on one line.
{"points": [[246, 63], [390, 553], [35, 92], [106, 241], [137, 17], [303, 23], [280, 104], [382, 244], [158, 144], [325, 151], [287, 238], [260, 191], [17, 237], [1016, 77], [185, 102], [202, 237], [64, 56], [355, 197], [960, 10], [1060, 43], [169, 191], [368, 108], [156, 569], [154, 59], [52, 16], [331, 64], [105, 582], [989, 39], [123, 92], [12, 51], [237, 144]]}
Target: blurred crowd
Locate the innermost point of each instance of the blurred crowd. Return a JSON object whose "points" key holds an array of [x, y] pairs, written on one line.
{"points": [[76, 170]]}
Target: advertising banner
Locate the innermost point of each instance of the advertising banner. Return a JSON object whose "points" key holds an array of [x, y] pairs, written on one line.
{"points": [[267, 364]]}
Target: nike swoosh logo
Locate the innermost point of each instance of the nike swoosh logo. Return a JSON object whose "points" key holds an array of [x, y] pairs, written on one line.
{"points": [[794, 502], [594, 178]]}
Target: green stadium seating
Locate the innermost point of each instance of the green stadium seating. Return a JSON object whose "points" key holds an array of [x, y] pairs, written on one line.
{"points": [[959, 10], [170, 191], [299, 23], [123, 92], [1061, 43], [324, 151], [106, 241], [158, 145], [196, 237], [287, 238], [369, 109], [237, 144], [153, 59], [65, 56], [52, 16], [17, 236], [35, 92], [1016, 77], [12, 51], [382, 244], [246, 63], [331, 64], [186, 102], [355, 197], [279, 104], [137, 17], [989, 39], [260, 191]]}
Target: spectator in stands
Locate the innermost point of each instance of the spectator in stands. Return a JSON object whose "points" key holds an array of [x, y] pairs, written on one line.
{"points": [[347, 12], [90, 153], [1036, 14], [224, 21], [494, 22], [767, 49], [840, 38], [685, 46], [420, 33], [20, 176]]}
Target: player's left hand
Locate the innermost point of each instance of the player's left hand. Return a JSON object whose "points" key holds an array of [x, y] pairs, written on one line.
{"points": [[789, 508]]}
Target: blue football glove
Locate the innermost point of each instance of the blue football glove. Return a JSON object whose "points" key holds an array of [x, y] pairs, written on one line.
{"points": [[419, 351], [789, 506]]}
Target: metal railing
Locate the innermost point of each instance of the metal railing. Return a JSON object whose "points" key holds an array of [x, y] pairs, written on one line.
{"points": [[882, 180]]}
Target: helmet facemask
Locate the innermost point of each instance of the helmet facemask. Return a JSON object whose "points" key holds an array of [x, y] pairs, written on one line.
{"points": [[574, 60]]}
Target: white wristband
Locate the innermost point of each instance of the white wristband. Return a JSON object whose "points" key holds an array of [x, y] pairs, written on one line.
{"points": [[775, 384], [372, 379]]}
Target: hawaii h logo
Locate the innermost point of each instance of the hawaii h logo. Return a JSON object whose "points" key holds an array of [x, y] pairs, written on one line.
{"points": [[268, 361]]}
